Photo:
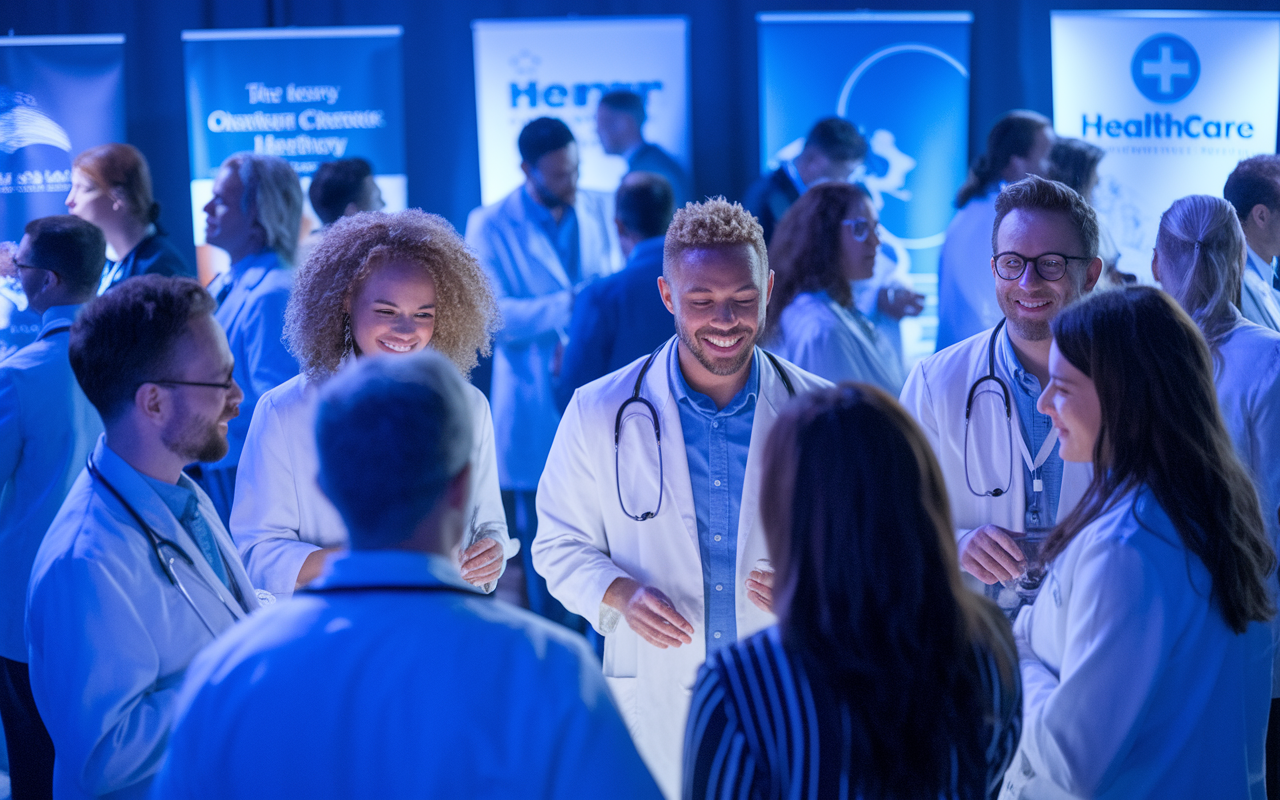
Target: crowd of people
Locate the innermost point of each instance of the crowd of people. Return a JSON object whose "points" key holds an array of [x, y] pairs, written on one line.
{"points": [[252, 533]]}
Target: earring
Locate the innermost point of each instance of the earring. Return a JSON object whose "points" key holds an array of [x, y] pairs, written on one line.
{"points": [[348, 344]]}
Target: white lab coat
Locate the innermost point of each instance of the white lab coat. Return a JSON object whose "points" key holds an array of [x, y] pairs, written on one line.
{"points": [[819, 336], [417, 693], [109, 637], [536, 300], [935, 394], [1259, 301], [1247, 375], [1132, 683], [585, 541], [280, 515], [966, 288], [47, 429]]}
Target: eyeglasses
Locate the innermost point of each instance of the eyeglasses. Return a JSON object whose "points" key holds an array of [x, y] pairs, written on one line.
{"points": [[1050, 266], [860, 227], [224, 386]]}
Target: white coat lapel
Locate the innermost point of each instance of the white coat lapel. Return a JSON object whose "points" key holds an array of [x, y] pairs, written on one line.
{"points": [[238, 298], [539, 248], [773, 395]]}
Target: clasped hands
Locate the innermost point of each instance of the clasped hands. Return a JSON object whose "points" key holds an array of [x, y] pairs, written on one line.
{"points": [[653, 616]]}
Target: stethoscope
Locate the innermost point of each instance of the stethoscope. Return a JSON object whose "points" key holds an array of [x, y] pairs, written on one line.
{"points": [[166, 565], [657, 428], [1037, 485]]}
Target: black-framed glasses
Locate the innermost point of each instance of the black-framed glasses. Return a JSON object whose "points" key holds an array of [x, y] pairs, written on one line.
{"points": [[224, 386], [1049, 266], [860, 227]]}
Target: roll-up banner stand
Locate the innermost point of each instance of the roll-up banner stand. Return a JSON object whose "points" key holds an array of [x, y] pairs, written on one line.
{"points": [[903, 79], [308, 95], [530, 68], [1175, 98], [59, 96]]}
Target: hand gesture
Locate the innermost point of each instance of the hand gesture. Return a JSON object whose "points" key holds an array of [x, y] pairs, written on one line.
{"points": [[482, 562], [992, 555], [760, 589], [649, 613]]}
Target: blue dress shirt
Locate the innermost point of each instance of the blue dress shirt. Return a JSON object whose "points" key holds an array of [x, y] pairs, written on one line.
{"points": [[182, 501], [1042, 507], [716, 442], [563, 235]]}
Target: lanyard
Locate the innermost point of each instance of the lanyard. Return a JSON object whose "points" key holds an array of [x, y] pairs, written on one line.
{"points": [[1037, 485]]}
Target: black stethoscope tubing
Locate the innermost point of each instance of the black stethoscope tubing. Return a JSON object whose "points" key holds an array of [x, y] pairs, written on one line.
{"points": [[657, 427], [1008, 412], [157, 541]]}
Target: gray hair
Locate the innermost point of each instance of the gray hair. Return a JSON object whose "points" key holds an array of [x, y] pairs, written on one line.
{"points": [[1201, 250], [271, 188], [391, 433]]}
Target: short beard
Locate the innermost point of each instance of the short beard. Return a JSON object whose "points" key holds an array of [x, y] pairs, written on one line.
{"points": [[195, 439], [720, 367]]}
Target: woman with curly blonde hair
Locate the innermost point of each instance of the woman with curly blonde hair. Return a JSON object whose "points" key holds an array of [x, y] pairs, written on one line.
{"points": [[377, 285]]}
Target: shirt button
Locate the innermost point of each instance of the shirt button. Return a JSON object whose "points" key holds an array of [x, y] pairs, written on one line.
{"points": [[719, 587], [716, 634], [715, 424], [717, 537], [717, 483]]}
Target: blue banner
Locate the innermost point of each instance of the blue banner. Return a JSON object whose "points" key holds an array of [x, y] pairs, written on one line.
{"points": [[59, 96], [308, 95], [903, 79]]}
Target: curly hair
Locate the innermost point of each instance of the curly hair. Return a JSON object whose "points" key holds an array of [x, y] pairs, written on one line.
{"points": [[316, 320], [711, 223], [806, 246]]}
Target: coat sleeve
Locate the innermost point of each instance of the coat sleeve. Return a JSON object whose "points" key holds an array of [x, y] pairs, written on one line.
{"points": [[917, 398], [11, 432], [591, 339], [829, 351], [96, 672], [571, 550], [486, 497], [523, 318], [1116, 648], [270, 362], [266, 520]]}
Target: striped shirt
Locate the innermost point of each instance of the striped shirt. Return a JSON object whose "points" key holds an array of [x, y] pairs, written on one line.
{"points": [[758, 729]]}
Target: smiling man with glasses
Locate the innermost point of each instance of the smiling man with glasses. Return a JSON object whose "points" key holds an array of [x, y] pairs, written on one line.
{"points": [[136, 573], [976, 399]]}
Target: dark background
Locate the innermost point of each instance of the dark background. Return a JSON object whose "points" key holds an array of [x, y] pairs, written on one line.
{"points": [[1010, 68]]}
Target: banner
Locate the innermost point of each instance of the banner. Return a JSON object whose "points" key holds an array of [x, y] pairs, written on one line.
{"points": [[903, 79], [532, 68], [59, 96], [1175, 98], [308, 95]]}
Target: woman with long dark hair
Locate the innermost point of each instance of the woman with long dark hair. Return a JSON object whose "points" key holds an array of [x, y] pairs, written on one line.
{"points": [[826, 240], [111, 187], [884, 677], [1146, 660]]}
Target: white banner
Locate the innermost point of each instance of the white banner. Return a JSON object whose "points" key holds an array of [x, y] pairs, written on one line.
{"points": [[533, 68], [1176, 98]]}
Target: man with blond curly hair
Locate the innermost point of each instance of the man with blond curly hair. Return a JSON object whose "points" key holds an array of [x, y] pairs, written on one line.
{"points": [[658, 542]]}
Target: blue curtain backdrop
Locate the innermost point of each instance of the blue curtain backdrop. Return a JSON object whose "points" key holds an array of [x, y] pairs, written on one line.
{"points": [[1010, 69]]}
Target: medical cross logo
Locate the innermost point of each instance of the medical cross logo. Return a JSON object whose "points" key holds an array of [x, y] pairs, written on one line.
{"points": [[1165, 68]]}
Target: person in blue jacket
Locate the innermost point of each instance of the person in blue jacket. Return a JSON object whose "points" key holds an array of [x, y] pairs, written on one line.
{"points": [[620, 318], [111, 187], [255, 215]]}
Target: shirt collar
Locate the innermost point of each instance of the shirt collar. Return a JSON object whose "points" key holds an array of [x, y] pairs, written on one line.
{"points": [[540, 213], [1008, 359], [391, 568], [633, 150], [743, 400], [644, 246], [178, 498], [1259, 264], [59, 314], [243, 265]]}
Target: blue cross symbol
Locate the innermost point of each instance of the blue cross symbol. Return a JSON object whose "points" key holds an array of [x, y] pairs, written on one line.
{"points": [[1165, 68]]}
